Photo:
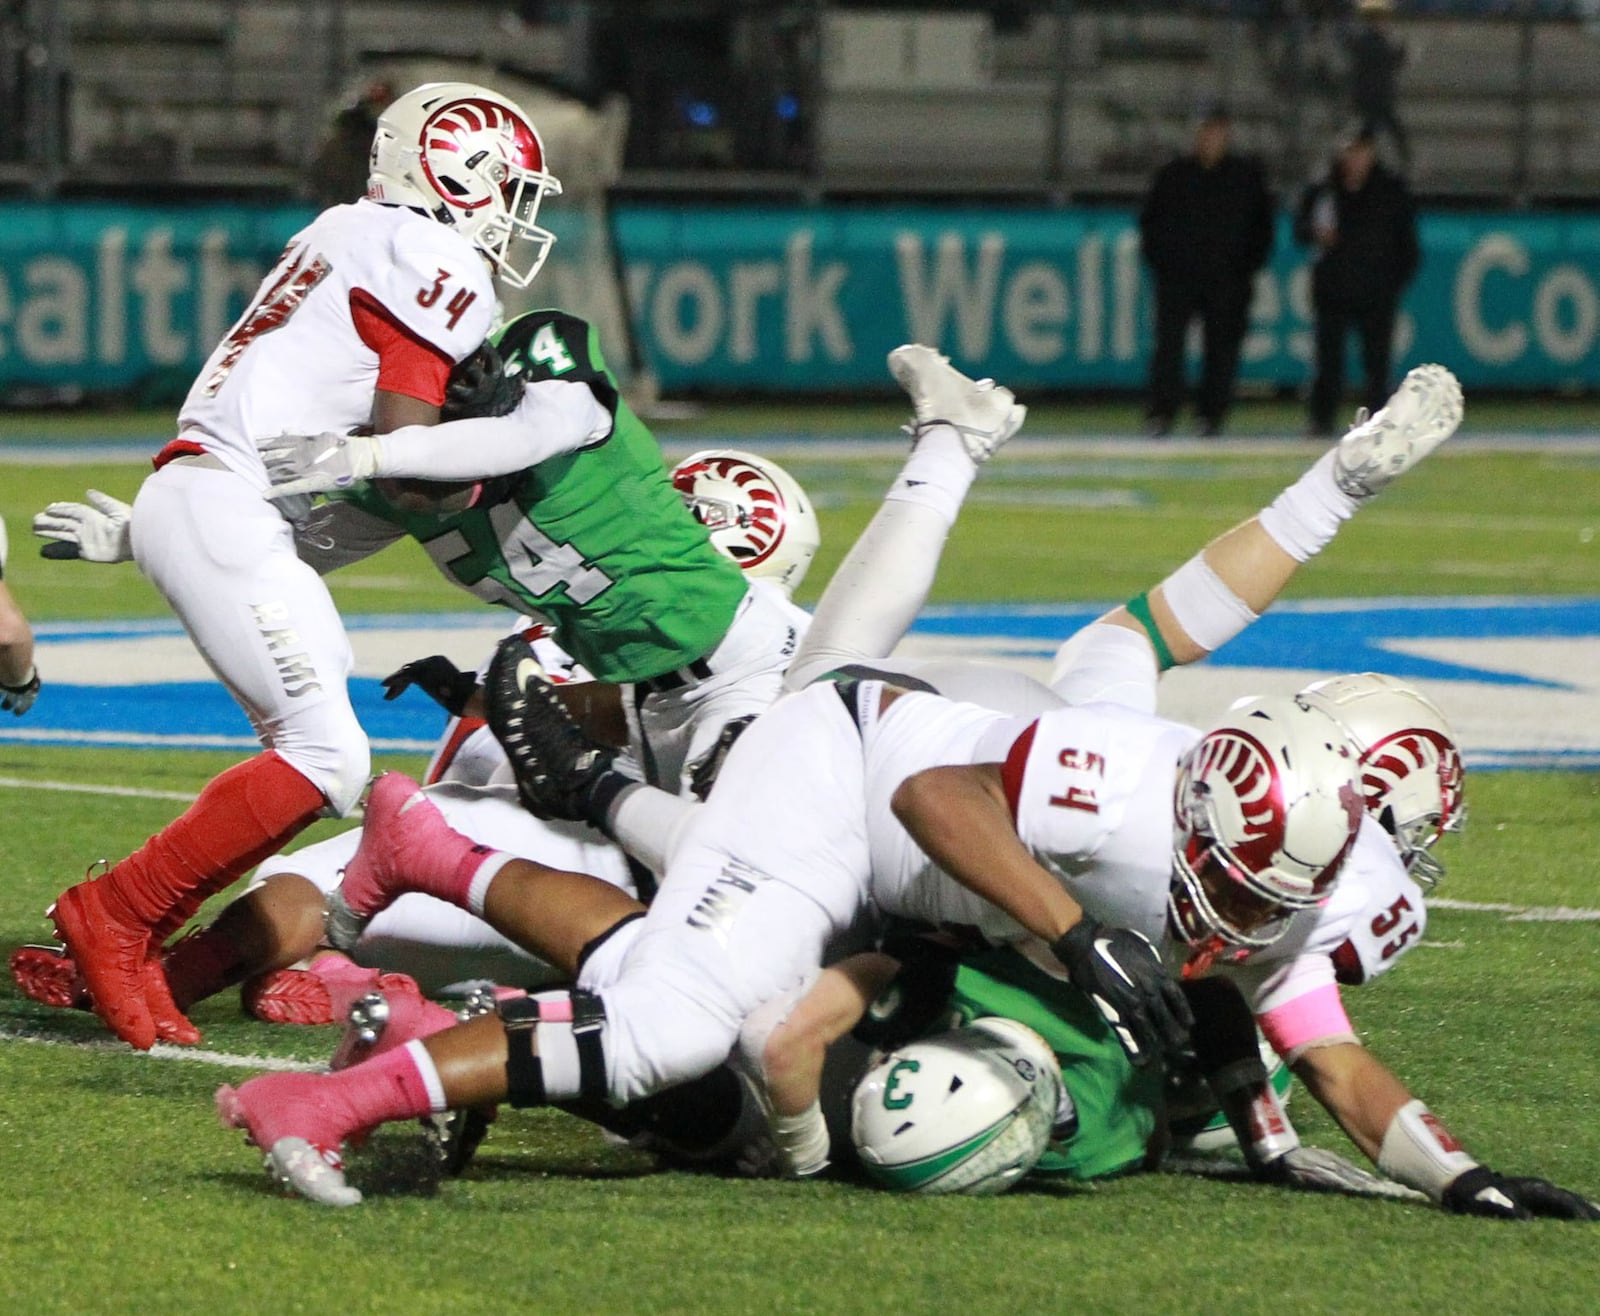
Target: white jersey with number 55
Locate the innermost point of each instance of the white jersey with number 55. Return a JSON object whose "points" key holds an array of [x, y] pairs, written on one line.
{"points": [[365, 297]]}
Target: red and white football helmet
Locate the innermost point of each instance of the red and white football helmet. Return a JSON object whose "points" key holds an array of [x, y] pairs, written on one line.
{"points": [[1409, 765], [756, 512], [1266, 807], [472, 160]]}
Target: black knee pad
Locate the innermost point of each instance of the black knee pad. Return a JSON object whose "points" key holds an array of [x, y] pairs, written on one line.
{"points": [[555, 1047]]}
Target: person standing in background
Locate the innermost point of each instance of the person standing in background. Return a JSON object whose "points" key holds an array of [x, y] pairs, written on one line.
{"points": [[1374, 58], [1205, 229], [1362, 224]]}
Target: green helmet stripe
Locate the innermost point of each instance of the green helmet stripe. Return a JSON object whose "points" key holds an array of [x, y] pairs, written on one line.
{"points": [[912, 1175]]}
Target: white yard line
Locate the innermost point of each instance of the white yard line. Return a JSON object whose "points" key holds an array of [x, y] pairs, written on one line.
{"points": [[162, 1051], [1519, 913], [86, 788]]}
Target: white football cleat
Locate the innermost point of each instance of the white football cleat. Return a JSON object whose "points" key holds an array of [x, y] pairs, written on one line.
{"points": [[1420, 415], [983, 413], [302, 1168]]}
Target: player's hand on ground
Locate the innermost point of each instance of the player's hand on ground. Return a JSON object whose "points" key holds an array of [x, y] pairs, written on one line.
{"points": [[96, 531], [1480, 1191], [1120, 971], [438, 678], [317, 463], [1312, 1169]]}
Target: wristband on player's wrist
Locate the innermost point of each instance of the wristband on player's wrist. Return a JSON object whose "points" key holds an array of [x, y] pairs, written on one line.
{"points": [[1421, 1153]]}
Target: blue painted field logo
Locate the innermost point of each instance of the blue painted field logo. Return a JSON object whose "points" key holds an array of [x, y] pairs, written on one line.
{"points": [[1516, 677]]}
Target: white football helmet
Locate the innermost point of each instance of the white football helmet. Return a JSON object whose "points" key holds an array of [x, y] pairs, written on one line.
{"points": [[1267, 807], [1409, 766], [968, 1111], [472, 160], [756, 512]]}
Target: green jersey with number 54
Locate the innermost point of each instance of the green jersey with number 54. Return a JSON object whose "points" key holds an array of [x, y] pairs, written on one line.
{"points": [[596, 541]]}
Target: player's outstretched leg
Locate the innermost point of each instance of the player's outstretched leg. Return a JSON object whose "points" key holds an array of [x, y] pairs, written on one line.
{"points": [[1421, 414], [406, 845], [983, 413], [300, 1133], [879, 588], [560, 772]]}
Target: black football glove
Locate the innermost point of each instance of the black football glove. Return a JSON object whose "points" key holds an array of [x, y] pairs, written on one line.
{"points": [[479, 386], [1121, 973], [1480, 1191], [560, 771], [438, 678], [917, 998]]}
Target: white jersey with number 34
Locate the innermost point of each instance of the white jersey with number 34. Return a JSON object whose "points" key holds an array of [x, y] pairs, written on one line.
{"points": [[304, 357]]}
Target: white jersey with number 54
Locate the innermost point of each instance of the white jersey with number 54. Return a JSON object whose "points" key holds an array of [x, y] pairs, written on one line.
{"points": [[365, 297]]}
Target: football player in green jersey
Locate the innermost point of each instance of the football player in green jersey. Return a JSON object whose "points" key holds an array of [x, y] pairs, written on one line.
{"points": [[549, 496]]}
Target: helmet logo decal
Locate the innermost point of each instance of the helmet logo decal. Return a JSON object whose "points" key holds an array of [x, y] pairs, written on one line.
{"points": [[1245, 765]]}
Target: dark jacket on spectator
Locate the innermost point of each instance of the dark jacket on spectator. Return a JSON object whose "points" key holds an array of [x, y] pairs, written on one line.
{"points": [[1202, 225], [1376, 254]]}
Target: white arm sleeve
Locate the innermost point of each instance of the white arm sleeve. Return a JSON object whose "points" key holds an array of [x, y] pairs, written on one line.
{"points": [[555, 417]]}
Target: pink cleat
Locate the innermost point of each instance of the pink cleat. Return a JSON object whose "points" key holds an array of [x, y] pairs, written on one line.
{"points": [[403, 838], [298, 1133], [381, 1021]]}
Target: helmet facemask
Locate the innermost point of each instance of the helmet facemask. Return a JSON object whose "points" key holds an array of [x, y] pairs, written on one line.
{"points": [[1265, 811], [472, 160]]}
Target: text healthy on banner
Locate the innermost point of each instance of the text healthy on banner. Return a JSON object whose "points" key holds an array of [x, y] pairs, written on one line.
{"points": [[104, 297], [812, 299]]}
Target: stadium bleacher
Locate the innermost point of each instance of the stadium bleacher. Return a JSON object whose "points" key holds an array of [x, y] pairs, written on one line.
{"points": [[1040, 97]]}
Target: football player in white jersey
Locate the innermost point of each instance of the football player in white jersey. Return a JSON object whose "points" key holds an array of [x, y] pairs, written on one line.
{"points": [[358, 325], [1410, 770]]}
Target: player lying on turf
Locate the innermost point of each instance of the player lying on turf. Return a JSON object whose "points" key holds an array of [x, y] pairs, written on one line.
{"points": [[1117, 660], [849, 794], [757, 516]]}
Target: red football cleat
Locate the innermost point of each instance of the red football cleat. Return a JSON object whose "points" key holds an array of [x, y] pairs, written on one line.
{"points": [[111, 957], [321, 994], [46, 974], [172, 1025]]}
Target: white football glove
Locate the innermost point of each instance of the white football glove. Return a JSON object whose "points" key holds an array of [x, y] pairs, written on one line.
{"points": [[96, 531], [317, 463], [1319, 1171]]}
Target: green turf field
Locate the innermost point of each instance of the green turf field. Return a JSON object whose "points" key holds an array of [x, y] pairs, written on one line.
{"points": [[123, 1194]]}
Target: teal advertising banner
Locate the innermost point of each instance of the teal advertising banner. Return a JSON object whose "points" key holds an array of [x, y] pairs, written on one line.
{"points": [[104, 298], [812, 299]]}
